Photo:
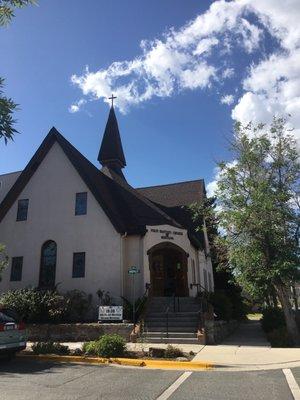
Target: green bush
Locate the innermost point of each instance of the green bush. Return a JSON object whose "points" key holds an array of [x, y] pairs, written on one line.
{"points": [[90, 348], [50, 348], [279, 338], [106, 346], [272, 319], [78, 305], [140, 304], [222, 305], [173, 352], [47, 306], [34, 305]]}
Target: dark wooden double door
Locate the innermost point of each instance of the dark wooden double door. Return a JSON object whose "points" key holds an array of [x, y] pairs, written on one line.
{"points": [[168, 268]]}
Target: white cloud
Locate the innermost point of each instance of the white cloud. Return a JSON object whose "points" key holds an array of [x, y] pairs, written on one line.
{"points": [[281, 18], [196, 56], [228, 73], [205, 45], [200, 76], [272, 85], [227, 99], [179, 60], [75, 107]]}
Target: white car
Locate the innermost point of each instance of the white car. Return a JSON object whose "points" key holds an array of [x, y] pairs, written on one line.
{"points": [[12, 333]]}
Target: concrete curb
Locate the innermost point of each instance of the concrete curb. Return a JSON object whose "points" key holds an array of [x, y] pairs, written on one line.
{"points": [[132, 362]]}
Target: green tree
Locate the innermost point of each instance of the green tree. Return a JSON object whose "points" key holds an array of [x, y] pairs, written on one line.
{"points": [[225, 284], [7, 9], [258, 195], [3, 259], [7, 105]]}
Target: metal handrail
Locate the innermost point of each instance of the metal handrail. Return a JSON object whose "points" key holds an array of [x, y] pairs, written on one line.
{"points": [[145, 295], [174, 303], [167, 320]]}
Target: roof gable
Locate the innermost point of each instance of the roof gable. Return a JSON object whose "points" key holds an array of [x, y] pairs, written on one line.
{"points": [[126, 209]]}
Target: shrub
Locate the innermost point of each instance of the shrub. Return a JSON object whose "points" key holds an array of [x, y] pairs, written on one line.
{"points": [[104, 297], [106, 346], [272, 319], [77, 352], [222, 305], [50, 348], [40, 306], [173, 352], [90, 348], [78, 305], [34, 305], [140, 304], [54, 306], [156, 352], [279, 338]]}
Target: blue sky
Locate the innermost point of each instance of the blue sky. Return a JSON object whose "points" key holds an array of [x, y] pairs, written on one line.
{"points": [[174, 136]]}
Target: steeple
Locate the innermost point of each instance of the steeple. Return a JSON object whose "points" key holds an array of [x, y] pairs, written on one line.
{"points": [[111, 154]]}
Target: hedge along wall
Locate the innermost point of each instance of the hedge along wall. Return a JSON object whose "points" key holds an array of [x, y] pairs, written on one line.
{"points": [[75, 332]]}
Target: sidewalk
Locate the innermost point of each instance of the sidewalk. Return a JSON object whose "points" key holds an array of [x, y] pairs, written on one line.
{"points": [[248, 349]]}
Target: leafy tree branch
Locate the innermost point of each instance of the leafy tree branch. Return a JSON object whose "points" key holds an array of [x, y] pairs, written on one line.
{"points": [[7, 105]]}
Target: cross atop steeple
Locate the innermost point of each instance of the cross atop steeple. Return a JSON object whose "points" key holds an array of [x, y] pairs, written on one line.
{"points": [[112, 99]]}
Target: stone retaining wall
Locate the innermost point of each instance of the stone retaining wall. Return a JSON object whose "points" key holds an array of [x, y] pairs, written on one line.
{"points": [[75, 332], [217, 331]]}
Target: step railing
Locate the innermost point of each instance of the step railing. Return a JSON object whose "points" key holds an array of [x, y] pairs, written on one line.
{"points": [[176, 300], [167, 320]]}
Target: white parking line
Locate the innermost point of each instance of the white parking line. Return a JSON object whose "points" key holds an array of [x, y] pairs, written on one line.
{"points": [[171, 389], [293, 385]]}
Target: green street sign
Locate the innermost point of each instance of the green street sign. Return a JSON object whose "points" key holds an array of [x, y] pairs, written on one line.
{"points": [[133, 270]]}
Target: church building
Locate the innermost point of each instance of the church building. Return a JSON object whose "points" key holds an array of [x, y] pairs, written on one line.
{"points": [[68, 224]]}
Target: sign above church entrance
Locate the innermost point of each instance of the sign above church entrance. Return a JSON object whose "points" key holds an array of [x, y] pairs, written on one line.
{"points": [[167, 234]]}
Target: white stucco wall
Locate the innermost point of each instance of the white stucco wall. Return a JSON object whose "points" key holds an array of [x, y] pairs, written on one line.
{"points": [[6, 182], [133, 256], [51, 193]]}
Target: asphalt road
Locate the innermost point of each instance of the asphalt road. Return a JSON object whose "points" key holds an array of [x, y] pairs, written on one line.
{"points": [[33, 380]]}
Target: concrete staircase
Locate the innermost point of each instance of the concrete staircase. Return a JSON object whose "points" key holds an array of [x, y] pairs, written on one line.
{"points": [[178, 325]]}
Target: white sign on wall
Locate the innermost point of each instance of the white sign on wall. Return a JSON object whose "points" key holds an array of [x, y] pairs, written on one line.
{"points": [[110, 313]]}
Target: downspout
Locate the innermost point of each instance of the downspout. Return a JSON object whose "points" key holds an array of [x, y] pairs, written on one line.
{"points": [[122, 263]]}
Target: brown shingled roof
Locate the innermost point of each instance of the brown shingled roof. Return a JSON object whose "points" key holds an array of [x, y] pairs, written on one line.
{"points": [[175, 194]]}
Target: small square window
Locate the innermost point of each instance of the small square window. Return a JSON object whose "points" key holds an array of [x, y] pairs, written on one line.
{"points": [[16, 269], [78, 265], [22, 210], [81, 203]]}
